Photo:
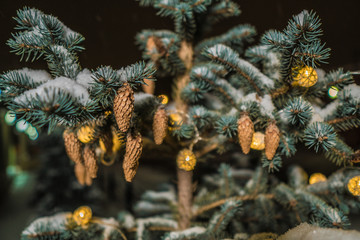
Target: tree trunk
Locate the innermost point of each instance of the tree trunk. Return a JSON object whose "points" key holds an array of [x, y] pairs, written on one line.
{"points": [[185, 192]]}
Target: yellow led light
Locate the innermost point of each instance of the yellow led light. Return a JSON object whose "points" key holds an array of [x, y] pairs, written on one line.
{"points": [[164, 99], [175, 120], [186, 160], [258, 141], [354, 186], [305, 77], [333, 92], [317, 177], [82, 215], [85, 134]]}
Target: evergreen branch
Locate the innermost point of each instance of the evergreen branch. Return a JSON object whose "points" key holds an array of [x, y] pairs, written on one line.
{"points": [[220, 220], [220, 202], [319, 135], [274, 93], [234, 38], [218, 89], [341, 119], [227, 57], [338, 79]]}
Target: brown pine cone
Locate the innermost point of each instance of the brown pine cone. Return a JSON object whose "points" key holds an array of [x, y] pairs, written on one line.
{"points": [[272, 140], [123, 107], [149, 87], [90, 161], [245, 132], [80, 173], [160, 125], [72, 146], [88, 179], [132, 154]]}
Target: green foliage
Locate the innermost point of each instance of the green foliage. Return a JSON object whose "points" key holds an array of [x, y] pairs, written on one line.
{"points": [[320, 135], [299, 44], [298, 112]]}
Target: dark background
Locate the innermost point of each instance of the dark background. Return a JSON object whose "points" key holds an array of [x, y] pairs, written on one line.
{"points": [[110, 27]]}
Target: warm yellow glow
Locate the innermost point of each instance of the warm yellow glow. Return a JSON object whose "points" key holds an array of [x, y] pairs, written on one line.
{"points": [[175, 120], [305, 77], [82, 215], [117, 143], [85, 134], [333, 92], [317, 177], [186, 160], [258, 141], [354, 186], [164, 99]]}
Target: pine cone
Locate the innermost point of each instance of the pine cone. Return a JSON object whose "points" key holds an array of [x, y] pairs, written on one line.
{"points": [[123, 107], [245, 132], [90, 161], [80, 173], [107, 139], [72, 146], [132, 154], [160, 125], [149, 87], [88, 179], [272, 139]]}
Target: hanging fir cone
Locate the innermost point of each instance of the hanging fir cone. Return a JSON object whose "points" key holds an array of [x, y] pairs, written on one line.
{"points": [[160, 125], [123, 107], [272, 139], [106, 141], [88, 179], [132, 154], [149, 87], [80, 173], [245, 132], [90, 161], [72, 146]]}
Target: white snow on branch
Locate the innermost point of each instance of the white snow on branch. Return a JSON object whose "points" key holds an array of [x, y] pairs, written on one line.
{"points": [[147, 207], [66, 84], [353, 90], [168, 196], [265, 80], [55, 222], [37, 76], [84, 78], [265, 103], [190, 232], [320, 114], [142, 223]]}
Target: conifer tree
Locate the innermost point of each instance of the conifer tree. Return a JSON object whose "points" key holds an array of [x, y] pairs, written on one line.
{"points": [[229, 95]]}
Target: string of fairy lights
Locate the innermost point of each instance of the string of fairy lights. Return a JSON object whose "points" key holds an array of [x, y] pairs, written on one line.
{"points": [[21, 125]]}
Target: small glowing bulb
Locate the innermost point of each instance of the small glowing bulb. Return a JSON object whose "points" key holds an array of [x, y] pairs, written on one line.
{"points": [[354, 186], [85, 134], [333, 92], [10, 117], [82, 215], [305, 76], [164, 99], [186, 160], [258, 141], [22, 125], [317, 177]]}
